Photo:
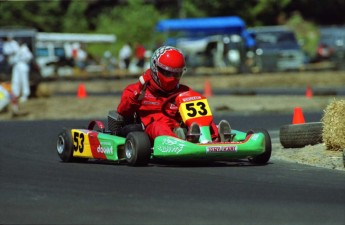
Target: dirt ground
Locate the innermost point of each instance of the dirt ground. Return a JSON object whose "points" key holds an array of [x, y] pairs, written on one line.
{"points": [[52, 106]]}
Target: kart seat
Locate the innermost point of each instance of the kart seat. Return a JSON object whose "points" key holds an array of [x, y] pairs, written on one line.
{"points": [[120, 126]]}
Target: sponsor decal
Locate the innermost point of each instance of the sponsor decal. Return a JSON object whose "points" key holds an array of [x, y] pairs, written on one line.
{"points": [[171, 146], [191, 98], [215, 149], [150, 103], [105, 148], [172, 106]]}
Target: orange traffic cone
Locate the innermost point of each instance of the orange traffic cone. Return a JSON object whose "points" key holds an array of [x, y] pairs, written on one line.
{"points": [[207, 89], [81, 91], [309, 92], [298, 116]]}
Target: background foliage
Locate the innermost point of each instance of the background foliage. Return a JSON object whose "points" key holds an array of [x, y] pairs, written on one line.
{"points": [[134, 20]]}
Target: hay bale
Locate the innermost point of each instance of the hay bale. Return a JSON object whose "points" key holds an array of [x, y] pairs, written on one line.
{"points": [[43, 91], [333, 133]]}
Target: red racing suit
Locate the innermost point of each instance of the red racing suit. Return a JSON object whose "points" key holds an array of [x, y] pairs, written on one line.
{"points": [[149, 108]]}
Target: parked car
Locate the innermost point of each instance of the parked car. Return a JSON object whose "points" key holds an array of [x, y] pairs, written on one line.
{"points": [[332, 46], [53, 60], [213, 42], [277, 49], [218, 51]]}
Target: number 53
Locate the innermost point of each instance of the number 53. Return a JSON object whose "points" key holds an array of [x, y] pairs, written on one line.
{"points": [[195, 109]]}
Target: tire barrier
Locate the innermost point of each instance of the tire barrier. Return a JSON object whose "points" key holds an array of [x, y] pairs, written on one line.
{"points": [[300, 135]]}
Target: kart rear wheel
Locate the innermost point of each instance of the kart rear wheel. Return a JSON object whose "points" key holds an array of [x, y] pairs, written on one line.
{"points": [[264, 157], [137, 149], [64, 145]]}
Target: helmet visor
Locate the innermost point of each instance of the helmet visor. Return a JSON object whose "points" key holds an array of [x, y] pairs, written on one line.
{"points": [[167, 73]]}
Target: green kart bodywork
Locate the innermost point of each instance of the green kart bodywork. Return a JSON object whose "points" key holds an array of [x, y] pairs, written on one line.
{"points": [[166, 147], [88, 144]]}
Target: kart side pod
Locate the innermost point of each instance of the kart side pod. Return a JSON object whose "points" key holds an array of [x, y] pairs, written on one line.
{"points": [[253, 145]]}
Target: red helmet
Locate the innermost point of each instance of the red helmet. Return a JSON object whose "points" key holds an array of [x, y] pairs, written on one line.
{"points": [[167, 67]]}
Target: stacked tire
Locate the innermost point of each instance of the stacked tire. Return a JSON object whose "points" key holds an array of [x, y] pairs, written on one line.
{"points": [[300, 135]]}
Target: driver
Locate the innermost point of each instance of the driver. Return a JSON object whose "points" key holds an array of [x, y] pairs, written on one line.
{"points": [[145, 98]]}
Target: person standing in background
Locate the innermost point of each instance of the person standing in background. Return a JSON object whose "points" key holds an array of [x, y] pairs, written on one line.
{"points": [[125, 56], [10, 48], [140, 55], [81, 59], [20, 83]]}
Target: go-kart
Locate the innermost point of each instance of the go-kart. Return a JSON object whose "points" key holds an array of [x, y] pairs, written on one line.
{"points": [[128, 142]]}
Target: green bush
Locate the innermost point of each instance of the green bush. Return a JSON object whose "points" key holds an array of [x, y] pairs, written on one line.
{"points": [[306, 32]]}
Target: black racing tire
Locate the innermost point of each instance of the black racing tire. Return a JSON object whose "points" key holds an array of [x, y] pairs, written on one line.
{"points": [[137, 148], [300, 135], [263, 158], [64, 145]]}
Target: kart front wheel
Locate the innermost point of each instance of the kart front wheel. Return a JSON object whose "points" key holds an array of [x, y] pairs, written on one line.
{"points": [[64, 145], [138, 148], [264, 157]]}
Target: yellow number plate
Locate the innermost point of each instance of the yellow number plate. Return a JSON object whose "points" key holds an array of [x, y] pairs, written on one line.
{"points": [[81, 144], [195, 109]]}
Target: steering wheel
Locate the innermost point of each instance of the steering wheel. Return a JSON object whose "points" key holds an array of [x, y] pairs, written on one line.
{"points": [[165, 103]]}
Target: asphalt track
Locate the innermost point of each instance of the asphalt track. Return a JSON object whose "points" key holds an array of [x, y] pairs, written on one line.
{"points": [[36, 188]]}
